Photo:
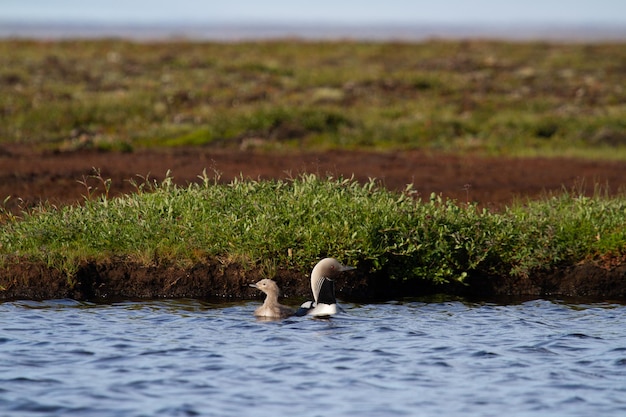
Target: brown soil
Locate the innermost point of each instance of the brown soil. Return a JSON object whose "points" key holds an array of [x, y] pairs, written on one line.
{"points": [[29, 176], [38, 176]]}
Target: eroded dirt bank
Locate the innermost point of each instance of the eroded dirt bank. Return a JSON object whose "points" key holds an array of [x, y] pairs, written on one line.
{"points": [[117, 280]]}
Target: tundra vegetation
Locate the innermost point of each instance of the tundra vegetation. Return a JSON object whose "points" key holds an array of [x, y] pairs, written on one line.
{"points": [[480, 97], [264, 224], [486, 97]]}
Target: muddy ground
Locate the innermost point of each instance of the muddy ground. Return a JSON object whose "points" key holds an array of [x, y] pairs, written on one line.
{"points": [[35, 176], [30, 176]]}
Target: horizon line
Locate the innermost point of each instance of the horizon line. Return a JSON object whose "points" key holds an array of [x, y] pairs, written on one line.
{"points": [[380, 31]]}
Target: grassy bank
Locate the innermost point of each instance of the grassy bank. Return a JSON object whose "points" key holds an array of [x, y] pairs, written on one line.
{"points": [[293, 223], [497, 98]]}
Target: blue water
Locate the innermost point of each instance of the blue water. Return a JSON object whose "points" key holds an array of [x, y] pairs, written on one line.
{"points": [[413, 358]]}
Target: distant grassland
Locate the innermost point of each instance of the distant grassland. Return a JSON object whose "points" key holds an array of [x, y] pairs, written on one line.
{"points": [[497, 98]]}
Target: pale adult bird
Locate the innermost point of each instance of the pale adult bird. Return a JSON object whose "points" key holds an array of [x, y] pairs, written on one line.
{"points": [[324, 302]]}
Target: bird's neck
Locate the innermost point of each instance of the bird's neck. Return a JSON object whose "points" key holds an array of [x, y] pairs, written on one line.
{"points": [[271, 300]]}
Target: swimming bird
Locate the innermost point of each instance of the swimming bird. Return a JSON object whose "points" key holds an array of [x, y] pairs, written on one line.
{"points": [[323, 287], [271, 308]]}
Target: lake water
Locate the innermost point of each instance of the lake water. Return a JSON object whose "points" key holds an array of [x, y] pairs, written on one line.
{"points": [[432, 357]]}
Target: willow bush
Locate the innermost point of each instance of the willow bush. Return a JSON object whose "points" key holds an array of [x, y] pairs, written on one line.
{"points": [[294, 222]]}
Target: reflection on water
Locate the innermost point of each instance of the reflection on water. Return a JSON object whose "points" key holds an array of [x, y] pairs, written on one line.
{"points": [[419, 357]]}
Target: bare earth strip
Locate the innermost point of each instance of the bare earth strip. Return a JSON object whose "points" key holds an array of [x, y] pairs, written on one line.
{"points": [[35, 176]]}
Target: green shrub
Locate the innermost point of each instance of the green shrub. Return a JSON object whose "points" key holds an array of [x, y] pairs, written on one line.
{"points": [[294, 222]]}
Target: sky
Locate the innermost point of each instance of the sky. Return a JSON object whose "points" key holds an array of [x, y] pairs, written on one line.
{"points": [[500, 12]]}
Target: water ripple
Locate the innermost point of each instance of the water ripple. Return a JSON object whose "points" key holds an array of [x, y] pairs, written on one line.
{"points": [[186, 357]]}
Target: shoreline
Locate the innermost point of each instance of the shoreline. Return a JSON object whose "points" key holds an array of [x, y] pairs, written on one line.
{"points": [[213, 279]]}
